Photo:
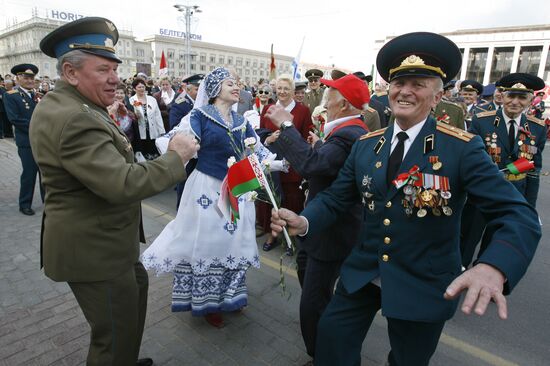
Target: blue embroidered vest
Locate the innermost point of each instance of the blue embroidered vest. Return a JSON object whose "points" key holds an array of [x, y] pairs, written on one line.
{"points": [[216, 144]]}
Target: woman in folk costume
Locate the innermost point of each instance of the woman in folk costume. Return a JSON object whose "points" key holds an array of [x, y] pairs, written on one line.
{"points": [[208, 254]]}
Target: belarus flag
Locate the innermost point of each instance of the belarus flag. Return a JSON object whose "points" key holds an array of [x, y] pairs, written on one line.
{"points": [[242, 177]]}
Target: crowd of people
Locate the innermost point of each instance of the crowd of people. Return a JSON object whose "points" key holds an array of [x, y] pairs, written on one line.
{"points": [[389, 189]]}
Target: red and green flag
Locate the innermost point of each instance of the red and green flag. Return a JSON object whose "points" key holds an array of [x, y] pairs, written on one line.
{"points": [[519, 166], [242, 177]]}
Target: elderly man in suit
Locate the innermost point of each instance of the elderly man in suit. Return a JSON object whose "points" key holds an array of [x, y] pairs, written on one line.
{"points": [[413, 178], [91, 223], [320, 256]]}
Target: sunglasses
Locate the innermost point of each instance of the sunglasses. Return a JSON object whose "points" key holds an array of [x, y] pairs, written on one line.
{"points": [[263, 92], [316, 80]]}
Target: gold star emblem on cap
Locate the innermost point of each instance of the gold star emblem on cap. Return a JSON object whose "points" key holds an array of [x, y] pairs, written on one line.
{"points": [[412, 60], [519, 86]]}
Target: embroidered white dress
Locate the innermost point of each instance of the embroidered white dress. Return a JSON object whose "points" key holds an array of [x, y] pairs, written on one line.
{"points": [[208, 255]]}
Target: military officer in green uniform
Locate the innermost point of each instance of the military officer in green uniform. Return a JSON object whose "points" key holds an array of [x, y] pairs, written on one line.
{"points": [[412, 179], [470, 90], [91, 222], [315, 93]]}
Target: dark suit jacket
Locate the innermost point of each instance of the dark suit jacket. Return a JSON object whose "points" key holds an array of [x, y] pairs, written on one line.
{"points": [[19, 108], [93, 187], [320, 166], [415, 257]]}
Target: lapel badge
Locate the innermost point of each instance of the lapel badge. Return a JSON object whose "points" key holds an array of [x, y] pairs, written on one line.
{"points": [[428, 143], [371, 205], [497, 121], [378, 164], [379, 145]]}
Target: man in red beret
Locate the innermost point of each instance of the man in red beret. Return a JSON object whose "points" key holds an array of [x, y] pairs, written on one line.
{"points": [[320, 256]]}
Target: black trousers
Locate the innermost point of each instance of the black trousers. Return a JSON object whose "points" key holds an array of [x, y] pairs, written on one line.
{"points": [[347, 319], [28, 178], [115, 310], [317, 279]]}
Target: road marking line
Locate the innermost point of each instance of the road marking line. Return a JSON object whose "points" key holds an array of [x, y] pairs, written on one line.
{"points": [[448, 340]]}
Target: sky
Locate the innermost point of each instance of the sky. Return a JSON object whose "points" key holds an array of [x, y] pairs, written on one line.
{"points": [[335, 32]]}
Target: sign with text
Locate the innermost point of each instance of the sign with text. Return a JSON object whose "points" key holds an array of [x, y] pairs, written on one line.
{"points": [[64, 15], [178, 34]]}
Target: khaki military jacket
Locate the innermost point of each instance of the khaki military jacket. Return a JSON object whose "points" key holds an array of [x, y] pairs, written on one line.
{"points": [[93, 187], [313, 98], [450, 113]]}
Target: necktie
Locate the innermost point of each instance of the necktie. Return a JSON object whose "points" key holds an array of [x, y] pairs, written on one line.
{"points": [[396, 157], [512, 134]]}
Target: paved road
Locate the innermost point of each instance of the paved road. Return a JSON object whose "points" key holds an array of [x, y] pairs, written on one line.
{"points": [[41, 324]]}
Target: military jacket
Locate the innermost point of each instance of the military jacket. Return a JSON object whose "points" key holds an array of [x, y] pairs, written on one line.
{"points": [[415, 252], [450, 113], [93, 187], [529, 144], [19, 109], [313, 99]]}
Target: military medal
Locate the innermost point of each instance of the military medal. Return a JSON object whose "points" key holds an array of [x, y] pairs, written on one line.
{"points": [[371, 205], [378, 164], [436, 164], [367, 181], [436, 211], [421, 213], [446, 194], [426, 196], [447, 211], [408, 190]]}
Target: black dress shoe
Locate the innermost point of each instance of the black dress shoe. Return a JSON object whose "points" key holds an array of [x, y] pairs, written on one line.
{"points": [[26, 211], [144, 362]]}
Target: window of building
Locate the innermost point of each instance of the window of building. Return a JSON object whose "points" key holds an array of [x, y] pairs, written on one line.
{"points": [[221, 60], [203, 67], [181, 55], [501, 62], [247, 63], [529, 59], [239, 61], [212, 67], [247, 72], [170, 64], [254, 72], [546, 74], [230, 60], [203, 57], [212, 58], [255, 63], [476, 63], [192, 66], [262, 65], [170, 53], [261, 72]]}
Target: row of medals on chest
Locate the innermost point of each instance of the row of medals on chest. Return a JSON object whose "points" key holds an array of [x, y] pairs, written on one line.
{"points": [[526, 150], [417, 193]]}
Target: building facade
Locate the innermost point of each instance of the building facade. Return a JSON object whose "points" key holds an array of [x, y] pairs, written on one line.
{"points": [[250, 65], [490, 53], [19, 43]]}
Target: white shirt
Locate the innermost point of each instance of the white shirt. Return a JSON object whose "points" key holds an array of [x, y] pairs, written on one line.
{"points": [[516, 125], [411, 132], [329, 126]]}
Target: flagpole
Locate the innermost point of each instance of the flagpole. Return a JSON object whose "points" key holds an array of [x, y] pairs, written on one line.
{"points": [[274, 203], [263, 180]]}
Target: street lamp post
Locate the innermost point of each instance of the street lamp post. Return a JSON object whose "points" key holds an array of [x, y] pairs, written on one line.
{"points": [[188, 11]]}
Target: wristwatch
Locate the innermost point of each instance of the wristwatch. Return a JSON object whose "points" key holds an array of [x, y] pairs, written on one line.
{"points": [[285, 125]]}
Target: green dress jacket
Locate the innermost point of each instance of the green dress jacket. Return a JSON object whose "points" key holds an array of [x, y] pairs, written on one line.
{"points": [[92, 213]]}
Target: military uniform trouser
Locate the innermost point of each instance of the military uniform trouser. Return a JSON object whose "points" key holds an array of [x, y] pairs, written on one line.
{"points": [[115, 310], [28, 178], [346, 320]]}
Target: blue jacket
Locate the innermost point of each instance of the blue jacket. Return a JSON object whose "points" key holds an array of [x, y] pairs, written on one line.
{"points": [[19, 107], [485, 124], [320, 166], [179, 109], [218, 142], [415, 257]]}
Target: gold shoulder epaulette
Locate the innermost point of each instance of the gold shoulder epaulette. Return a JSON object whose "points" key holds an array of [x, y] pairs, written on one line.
{"points": [[455, 132], [486, 114], [13, 91], [373, 134], [536, 120], [370, 109]]}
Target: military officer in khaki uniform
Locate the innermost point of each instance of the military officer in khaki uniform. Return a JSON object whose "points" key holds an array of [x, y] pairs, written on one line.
{"points": [[91, 223], [315, 94], [450, 113]]}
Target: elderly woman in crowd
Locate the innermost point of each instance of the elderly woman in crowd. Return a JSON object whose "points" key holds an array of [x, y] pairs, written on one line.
{"points": [[208, 254], [149, 120], [164, 98], [124, 118], [292, 196]]}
